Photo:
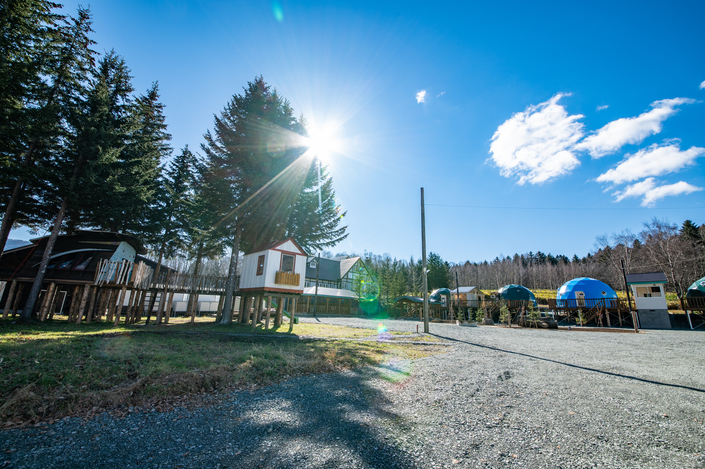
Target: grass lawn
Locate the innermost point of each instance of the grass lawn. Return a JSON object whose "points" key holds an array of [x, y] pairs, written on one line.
{"points": [[54, 369]]}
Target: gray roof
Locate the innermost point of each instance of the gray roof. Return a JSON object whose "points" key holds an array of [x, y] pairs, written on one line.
{"points": [[328, 271], [463, 289], [647, 277]]}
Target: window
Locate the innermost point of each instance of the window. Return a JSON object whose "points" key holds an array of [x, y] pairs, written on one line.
{"points": [[656, 291], [83, 263], [260, 265], [287, 263]]}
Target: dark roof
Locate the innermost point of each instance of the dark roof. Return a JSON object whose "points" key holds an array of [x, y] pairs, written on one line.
{"points": [[328, 271], [647, 277], [84, 245], [417, 299]]}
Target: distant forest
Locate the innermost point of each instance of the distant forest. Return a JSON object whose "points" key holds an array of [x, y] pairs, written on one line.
{"points": [[679, 252]]}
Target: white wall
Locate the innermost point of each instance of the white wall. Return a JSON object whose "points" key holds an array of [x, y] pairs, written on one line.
{"points": [[658, 302], [272, 262]]}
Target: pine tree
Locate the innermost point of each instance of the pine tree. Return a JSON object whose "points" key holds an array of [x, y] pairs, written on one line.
{"points": [[257, 173], [41, 103], [316, 228]]}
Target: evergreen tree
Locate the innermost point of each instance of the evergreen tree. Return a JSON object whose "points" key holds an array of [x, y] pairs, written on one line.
{"points": [[256, 174], [438, 272], [316, 228], [41, 103]]}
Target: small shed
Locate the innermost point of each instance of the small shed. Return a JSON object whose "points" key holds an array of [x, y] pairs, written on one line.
{"points": [[470, 297], [650, 299], [279, 267]]}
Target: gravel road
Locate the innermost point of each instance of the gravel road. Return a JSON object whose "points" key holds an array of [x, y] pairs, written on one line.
{"points": [[496, 398]]}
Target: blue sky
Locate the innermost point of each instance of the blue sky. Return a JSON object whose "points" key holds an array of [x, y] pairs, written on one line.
{"points": [[531, 126]]}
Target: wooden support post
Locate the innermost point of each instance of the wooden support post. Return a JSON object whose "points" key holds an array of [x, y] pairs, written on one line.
{"points": [[245, 319], [18, 298], [327, 305], [84, 300], [308, 305], [110, 306], [52, 306], [266, 315], [607, 313], [292, 316], [44, 308], [104, 304], [219, 314], [160, 311], [169, 302], [141, 305], [131, 306], [10, 297], [258, 311], [75, 303], [278, 315], [118, 307], [91, 304]]}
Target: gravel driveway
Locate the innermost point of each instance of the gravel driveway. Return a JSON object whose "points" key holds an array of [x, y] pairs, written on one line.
{"points": [[496, 398]]}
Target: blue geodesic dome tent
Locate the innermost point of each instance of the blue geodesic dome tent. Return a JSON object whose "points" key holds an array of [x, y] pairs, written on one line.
{"points": [[585, 289], [516, 293]]}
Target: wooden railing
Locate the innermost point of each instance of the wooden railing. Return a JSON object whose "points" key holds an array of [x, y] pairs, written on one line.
{"points": [[610, 304], [695, 303], [286, 278], [123, 273], [185, 282]]}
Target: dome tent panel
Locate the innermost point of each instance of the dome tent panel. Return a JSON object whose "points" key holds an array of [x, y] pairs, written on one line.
{"points": [[585, 289], [697, 289], [516, 293]]}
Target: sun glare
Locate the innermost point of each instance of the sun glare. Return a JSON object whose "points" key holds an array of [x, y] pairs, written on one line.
{"points": [[323, 140]]}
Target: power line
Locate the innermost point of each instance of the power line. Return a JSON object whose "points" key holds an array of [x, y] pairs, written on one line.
{"points": [[564, 208]]}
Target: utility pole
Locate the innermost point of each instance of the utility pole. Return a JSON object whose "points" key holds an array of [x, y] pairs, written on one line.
{"points": [[629, 298], [457, 295], [315, 296], [423, 266]]}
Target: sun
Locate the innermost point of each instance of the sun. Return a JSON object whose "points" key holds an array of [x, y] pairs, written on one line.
{"points": [[323, 140]]}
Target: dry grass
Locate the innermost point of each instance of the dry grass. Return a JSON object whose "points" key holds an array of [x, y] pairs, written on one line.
{"points": [[53, 370]]}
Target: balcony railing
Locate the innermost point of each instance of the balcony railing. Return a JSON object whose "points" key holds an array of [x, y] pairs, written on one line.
{"points": [[286, 278]]}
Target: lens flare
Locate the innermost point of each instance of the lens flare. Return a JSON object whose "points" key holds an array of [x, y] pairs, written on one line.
{"points": [[278, 11], [382, 334]]}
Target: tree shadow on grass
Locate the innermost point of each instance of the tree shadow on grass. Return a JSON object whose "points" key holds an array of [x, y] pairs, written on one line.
{"points": [[319, 420]]}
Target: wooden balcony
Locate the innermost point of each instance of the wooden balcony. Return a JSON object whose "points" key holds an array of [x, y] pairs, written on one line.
{"points": [[286, 278]]}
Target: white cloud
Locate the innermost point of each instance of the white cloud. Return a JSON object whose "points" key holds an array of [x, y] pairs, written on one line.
{"points": [[620, 132], [602, 108], [536, 145], [702, 85], [653, 161], [442, 93], [651, 192], [421, 96]]}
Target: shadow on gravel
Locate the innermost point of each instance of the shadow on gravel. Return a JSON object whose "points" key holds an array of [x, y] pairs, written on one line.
{"points": [[643, 380], [317, 421]]}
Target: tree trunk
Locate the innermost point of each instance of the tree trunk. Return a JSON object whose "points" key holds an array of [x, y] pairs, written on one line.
{"points": [[232, 278], [37, 285], [193, 295]]}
